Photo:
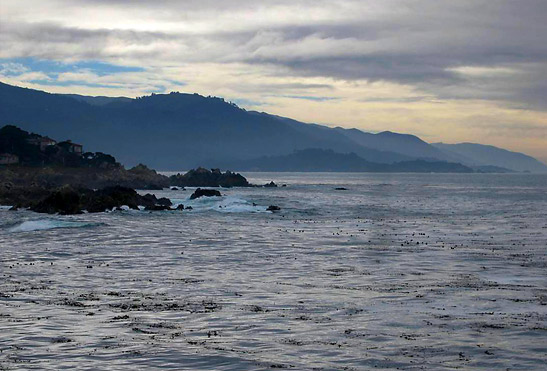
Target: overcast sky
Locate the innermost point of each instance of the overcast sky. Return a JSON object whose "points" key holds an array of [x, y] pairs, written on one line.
{"points": [[448, 71]]}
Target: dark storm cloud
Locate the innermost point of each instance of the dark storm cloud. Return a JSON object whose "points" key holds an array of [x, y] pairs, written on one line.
{"points": [[56, 42]]}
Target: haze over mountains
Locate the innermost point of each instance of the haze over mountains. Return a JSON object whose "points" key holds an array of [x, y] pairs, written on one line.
{"points": [[181, 131]]}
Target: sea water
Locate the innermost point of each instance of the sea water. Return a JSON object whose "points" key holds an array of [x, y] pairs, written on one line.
{"points": [[398, 270]]}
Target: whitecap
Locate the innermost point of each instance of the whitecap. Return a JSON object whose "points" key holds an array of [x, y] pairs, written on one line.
{"points": [[225, 204]]}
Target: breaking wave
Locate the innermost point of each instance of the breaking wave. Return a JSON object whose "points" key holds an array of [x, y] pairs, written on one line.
{"points": [[45, 224], [227, 204]]}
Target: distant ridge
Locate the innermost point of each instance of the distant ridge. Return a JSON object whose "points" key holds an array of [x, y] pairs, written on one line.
{"points": [[323, 160], [177, 131], [97, 101], [406, 144], [484, 155]]}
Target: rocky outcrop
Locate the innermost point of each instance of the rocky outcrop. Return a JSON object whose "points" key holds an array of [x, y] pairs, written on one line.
{"points": [[18, 196], [273, 208], [54, 177], [202, 177], [148, 178], [112, 197], [67, 200], [204, 193]]}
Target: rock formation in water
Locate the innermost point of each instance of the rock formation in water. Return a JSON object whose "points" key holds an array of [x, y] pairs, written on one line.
{"points": [[205, 193], [68, 200], [202, 177]]}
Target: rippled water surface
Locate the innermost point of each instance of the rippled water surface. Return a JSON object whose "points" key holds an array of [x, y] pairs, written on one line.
{"points": [[399, 270]]}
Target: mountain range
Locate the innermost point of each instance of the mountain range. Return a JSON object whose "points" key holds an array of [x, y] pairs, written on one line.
{"points": [[180, 131]]}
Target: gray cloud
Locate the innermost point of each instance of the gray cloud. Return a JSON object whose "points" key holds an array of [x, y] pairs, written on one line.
{"points": [[427, 44]]}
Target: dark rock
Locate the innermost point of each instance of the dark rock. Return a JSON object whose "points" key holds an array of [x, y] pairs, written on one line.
{"points": [[340, 189], [205, 193], [189, 208], [157, 208], [175, 188], [148, 199], [151, 187], [111, 197], [202, 177], [270, 185], [273, 208], [64, 201], [142, 177], [22, 196], [68, 200], [96, 178], [164, 201], [180, 207]]}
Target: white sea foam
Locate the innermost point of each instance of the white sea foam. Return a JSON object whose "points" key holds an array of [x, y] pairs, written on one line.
{"points": [[44, 224], [225, 204], [122, 208]]}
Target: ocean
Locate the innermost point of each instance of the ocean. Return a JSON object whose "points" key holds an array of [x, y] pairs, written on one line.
{"points": [[411, 271]]}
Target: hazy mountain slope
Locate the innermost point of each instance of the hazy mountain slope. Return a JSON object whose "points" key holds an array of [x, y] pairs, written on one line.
{"points": [[406, 144], [169, 131], [177, 131], [322, 134], [329, 161], [489, 155]]}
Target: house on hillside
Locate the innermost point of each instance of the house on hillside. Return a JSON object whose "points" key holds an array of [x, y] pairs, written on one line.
{"points": [[43, 142], [8, 159], [70, 147]]}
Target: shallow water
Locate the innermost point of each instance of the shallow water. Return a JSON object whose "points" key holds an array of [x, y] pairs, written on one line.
{"points": [[400, 270]]}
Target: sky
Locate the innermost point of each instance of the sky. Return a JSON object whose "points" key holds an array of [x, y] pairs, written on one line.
{"points": [[447, 71]]}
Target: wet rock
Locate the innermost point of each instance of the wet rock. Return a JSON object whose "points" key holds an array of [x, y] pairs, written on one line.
{"points": [[157, 208], [164, 201], [34, 178], [202, 177], [111, 197], [340, 189], [68, 200], [273, 208], [143, 177], [148, 199], [205, 193], [270, 185], [180, 207], [65, 201]]}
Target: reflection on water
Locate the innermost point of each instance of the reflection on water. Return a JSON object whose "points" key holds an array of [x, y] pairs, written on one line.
{"points": [[400, 270]]}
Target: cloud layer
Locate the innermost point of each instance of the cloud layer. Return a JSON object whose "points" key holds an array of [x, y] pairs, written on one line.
{"points": [[366, 57]]}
